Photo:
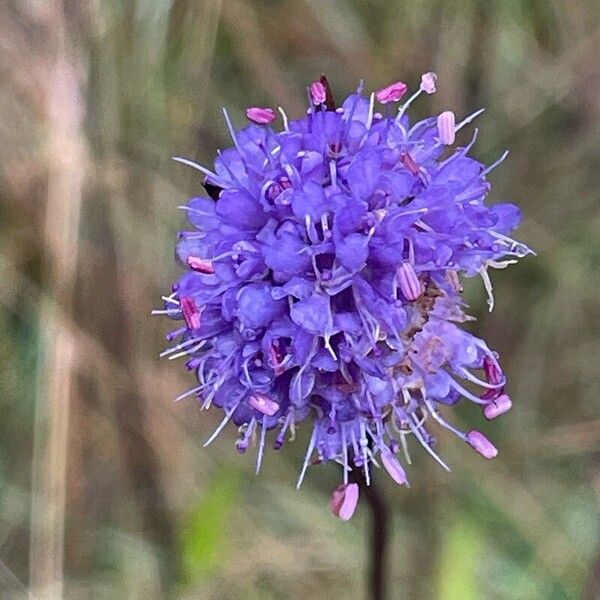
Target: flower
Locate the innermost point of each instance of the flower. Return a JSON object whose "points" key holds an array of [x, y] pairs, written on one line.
{"points": [[322, 283]]}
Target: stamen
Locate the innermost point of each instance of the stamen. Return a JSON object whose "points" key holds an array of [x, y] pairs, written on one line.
{"points": [[410, 285], [279, 440], [165, 311], [190, 393], [222, 424], [188, 351], [405, 106], [190, 312], [393, 467], [493, 372], [284, 117], [242, 444], [428, 82], [407, 160], [345, 454], [494, 165], [179, 346], [201, 265], [487, 283], [481, 444], [370, 114], [446, 128], [260, 116], [469, 119], [261, 445], [190, 163], [490, 386], [498, 406], [412, 423], [318, 92], [232, 131], [344, 500], [437, 417], [464, 392], [363, 442], [175, 334], [333, 172], [309, 451], [391, 93], [263, 404]]}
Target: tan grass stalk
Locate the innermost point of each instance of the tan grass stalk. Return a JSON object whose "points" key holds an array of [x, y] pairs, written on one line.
{"points": [[66, 156]]}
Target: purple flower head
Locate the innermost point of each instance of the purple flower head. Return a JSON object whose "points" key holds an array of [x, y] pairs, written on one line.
{"points": [[323, 283]]}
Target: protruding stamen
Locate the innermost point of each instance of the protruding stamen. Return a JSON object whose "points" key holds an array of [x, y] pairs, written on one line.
{"points": [[329, 100], [263, 404], [445, 126], [481, 444], [241, 445], [190, 163], [408, 161], [393, 467], [344, 500], [428, 82], [260, 116], [218, 430], [191, 312], [261, 445], [415, 428], [280, 439], [391, 93], [487, 284], [309, 451], [284, 117], [202, 265], [410, 285], [497, 407], [318, 93], [369, 120]]}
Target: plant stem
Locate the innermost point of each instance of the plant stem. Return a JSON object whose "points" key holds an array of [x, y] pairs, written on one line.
{"points": [[380, 534]]}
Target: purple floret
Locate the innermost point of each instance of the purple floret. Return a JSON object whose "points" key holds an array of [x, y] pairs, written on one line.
{"points": [[322, 282]]}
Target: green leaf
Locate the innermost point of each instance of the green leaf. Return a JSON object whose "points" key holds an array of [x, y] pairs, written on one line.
{"points": [[204, 536], [459, 563]]}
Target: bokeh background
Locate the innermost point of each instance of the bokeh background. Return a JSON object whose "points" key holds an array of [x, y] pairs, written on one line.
{"points": [[105, 490]]}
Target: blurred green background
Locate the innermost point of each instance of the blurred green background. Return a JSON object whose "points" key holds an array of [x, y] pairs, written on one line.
{"points": [[105, 490]]}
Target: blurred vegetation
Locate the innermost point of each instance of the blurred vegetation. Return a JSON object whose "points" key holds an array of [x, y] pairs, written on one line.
{"points": [[95, 99]]}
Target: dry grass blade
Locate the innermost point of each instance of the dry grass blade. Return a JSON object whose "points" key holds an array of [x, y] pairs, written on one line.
{"points": [[67, 159]]}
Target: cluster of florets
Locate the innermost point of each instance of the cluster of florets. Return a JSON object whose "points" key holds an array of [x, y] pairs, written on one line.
{"points": [[323, 282]]}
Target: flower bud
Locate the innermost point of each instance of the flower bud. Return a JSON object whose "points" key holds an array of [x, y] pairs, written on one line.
{"points": [[263, 404], [428, 82], [344, 500], [394, 468], [318, 93], [391, 93], [497, 407], [409, 283], [261, 116], [481, 444], [445, 127]]}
